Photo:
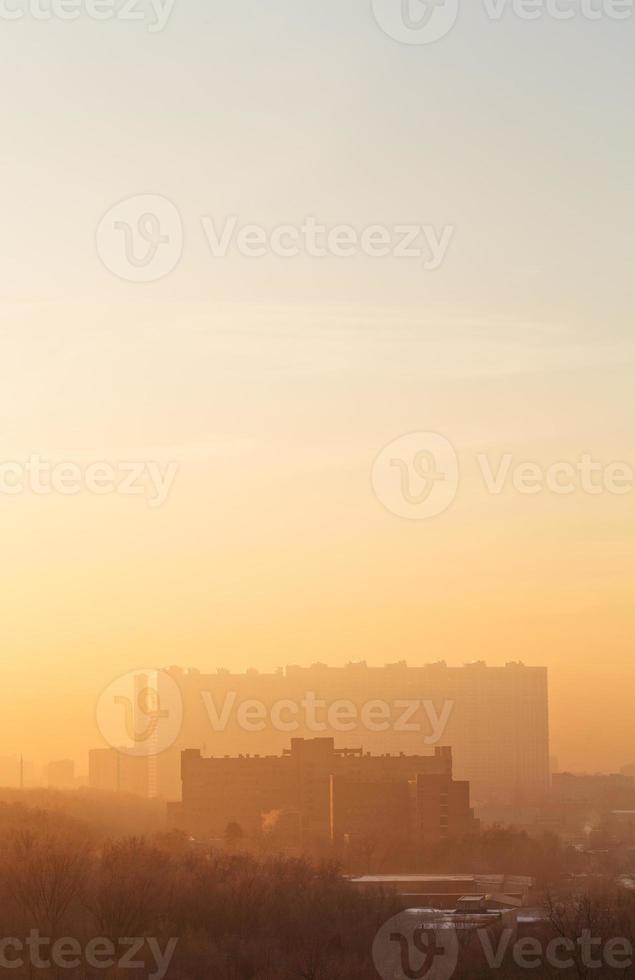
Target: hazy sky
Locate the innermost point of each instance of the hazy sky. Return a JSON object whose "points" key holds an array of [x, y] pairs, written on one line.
{"points": [[275, 382]]}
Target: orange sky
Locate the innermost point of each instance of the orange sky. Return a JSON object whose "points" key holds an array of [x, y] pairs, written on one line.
{"points": [[272, 547], [273, 383]]}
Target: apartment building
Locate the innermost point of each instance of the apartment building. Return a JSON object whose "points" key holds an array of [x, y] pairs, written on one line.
{"points": [[494, 718], [326, 792]]}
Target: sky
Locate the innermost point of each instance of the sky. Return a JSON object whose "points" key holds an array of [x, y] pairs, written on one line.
{"points": [[268, 386]]}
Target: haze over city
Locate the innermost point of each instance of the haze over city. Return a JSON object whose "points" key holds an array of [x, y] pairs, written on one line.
{"points": [[317, 487]]}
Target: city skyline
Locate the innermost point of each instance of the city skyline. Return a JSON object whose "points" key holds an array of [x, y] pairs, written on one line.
{"points": [[575, 762]]}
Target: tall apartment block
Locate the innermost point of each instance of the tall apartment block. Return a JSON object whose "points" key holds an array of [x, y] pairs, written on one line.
{"points": [[319, 793], [495, 719]]}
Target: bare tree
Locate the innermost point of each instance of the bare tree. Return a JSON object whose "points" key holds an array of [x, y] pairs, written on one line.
{"points": [[44, 875], [132, 890]]}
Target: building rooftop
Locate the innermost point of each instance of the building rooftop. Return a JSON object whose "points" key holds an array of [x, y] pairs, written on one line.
{"points": [[418, 879], [491, 879], [354, 667]]}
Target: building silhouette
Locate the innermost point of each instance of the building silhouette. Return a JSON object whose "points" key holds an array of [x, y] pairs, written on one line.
{"points": [[323, 793], [494, 718]]}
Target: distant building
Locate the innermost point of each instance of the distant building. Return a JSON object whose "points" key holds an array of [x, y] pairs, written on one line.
{"points": [[61, 775], [580, 801], [10, 771], [494, 718], [622, 825], [334, 794], [115, 771], [606, 790]]}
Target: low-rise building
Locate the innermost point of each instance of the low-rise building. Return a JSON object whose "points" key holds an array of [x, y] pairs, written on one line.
{"points": [[446, 892], [61, 774]]}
